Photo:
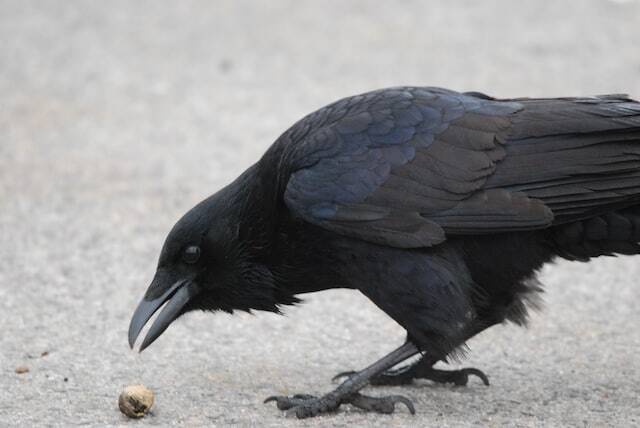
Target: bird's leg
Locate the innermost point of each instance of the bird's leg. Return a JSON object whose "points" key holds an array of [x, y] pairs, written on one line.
{"points": [[423, 369], [304, 406]]}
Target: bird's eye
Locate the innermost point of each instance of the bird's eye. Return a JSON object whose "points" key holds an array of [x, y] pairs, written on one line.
{"points": [[191, 254]]}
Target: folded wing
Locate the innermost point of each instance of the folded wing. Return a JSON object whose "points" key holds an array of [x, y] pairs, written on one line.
{"points": [[407, 166]]}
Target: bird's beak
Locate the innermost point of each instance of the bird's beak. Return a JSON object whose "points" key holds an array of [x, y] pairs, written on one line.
{"points": [[176, 297]]}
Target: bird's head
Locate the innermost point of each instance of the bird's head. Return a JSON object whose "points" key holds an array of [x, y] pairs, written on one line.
{"points": [[210, 261]]}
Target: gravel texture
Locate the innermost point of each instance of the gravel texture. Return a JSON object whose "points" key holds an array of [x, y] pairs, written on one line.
{"points": [[116, 117]]}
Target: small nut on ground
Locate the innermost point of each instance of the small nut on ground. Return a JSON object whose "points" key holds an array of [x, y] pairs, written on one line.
{"points": [[22, 369], [135, 401]]}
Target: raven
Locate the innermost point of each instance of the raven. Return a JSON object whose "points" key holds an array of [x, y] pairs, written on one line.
{"points": [[438, 206]]}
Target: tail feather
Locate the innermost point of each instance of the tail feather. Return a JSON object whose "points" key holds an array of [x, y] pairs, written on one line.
{"points": [[613, 233]]}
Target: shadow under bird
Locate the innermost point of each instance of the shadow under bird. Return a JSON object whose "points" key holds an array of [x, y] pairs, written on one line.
{"points": [[438, 206]]}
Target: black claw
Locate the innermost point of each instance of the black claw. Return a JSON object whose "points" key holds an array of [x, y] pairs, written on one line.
{"points": [[406, 402], [461, 377], [343, 374], [472, 371], [285, 403]]}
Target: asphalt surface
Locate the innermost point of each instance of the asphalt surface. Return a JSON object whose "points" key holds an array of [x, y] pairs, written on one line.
{"points": [[116, 117]]}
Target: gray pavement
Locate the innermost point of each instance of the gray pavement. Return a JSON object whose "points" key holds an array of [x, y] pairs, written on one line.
{"points": [[116, 117]]}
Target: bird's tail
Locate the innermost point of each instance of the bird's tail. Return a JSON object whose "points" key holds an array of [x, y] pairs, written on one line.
{"points": [[617, 232]]}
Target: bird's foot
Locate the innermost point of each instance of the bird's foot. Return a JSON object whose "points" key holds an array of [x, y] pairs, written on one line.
{"points": [[406, 376], [305, 406]]}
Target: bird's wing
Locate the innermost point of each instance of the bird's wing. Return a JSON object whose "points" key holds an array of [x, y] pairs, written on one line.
{"points": [[405, 167]]}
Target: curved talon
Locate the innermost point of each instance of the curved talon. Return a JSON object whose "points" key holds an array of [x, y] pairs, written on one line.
{"points": [[473, 371], [405, 401], [461, 377], [269, 399], [348, 373], [284, 402]]}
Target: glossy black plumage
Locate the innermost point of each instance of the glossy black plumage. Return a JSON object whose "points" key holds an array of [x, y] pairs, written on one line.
{"points": [[439, 206]]}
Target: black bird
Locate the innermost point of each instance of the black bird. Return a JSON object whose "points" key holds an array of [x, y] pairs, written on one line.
{"points": [[438, 206]]}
